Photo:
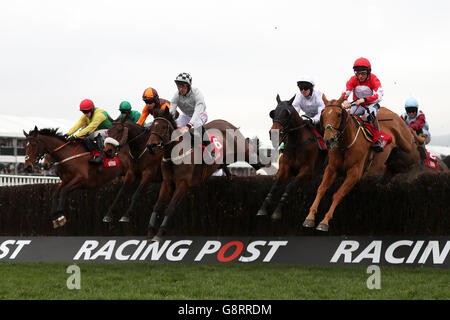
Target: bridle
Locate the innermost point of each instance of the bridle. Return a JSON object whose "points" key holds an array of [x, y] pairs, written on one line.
{"points": [[342, 126], [166, 136]]}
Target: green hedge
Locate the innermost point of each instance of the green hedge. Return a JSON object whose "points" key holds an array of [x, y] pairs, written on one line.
{"points": [[221, 207]]}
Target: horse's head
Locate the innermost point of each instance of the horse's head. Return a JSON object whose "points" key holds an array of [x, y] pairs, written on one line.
{"points": [[117, 137], [34, 149], [333, 121], [161, 131], [282, 119]]}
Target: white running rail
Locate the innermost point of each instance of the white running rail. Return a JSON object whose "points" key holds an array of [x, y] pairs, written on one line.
{"points": [[16, 180]]}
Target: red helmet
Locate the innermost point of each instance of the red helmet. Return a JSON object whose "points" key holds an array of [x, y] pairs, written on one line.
{"points": [[86, 104], [362, 64]]}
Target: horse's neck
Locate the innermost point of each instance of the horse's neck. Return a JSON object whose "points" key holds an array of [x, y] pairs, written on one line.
{"points": [[297, 134], [349, 133], [53, 143], [137, 140]]}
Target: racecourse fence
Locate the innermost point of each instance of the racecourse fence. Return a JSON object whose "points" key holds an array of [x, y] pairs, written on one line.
{"points": [[18, 180], [221, 207]]}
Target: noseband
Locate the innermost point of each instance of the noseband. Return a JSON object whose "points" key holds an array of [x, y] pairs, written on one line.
{"points": [[342, 125], [165, 137]]}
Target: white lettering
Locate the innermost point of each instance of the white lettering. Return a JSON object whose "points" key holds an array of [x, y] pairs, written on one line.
{"points": [[86, 249], [156, 251], [106, 251], [438, 258], [253, 251], [389, 255], [415, 251], [74, 281], [119, 255], [4, 248], [181, 252], [374, 281], [275, 245], [345, 248], [210, 246], [367, 253]]}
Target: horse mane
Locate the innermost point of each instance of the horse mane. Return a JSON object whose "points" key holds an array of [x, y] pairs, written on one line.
{"points": [[52, 132], [166, 115]]}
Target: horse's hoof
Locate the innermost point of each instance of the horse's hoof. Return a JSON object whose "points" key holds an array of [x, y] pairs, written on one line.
{"points": [[309, 223], [262, 212], [61, 221], [107, 219], [55, 224], [323, 227], [276, 215], [124, 219], [156, 239]]}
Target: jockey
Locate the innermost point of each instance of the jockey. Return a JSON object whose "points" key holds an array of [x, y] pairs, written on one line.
{"points": [[152, 104], [93, 124], [415, 119], [127, 113], [192, 105], [308, 100], [366, 88]]}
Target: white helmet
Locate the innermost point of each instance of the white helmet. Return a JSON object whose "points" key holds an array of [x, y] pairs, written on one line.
{"points": [[184, 78], [306, 79]]}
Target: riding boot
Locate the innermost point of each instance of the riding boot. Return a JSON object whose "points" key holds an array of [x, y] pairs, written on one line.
{"points": [[98, 159], [377, 146]]}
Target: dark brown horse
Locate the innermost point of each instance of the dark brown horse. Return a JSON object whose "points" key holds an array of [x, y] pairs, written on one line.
{"points": [[73, 167], [301, 160], [349, 153], [181, 168], [143, 165]]}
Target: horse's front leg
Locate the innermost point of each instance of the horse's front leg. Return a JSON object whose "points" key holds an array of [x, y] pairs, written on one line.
{"points": [[181, 189], [127, 182], [269, 199], [328, 179], [134, 199], [55, 198], [353, 176], [59, 218], [165, 194], [303, 174]]}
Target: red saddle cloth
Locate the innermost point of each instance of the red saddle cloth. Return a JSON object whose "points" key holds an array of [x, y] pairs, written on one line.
{"points": [[107, 163], [385, 138], [431, 160], [319, 139], [218, 147]]}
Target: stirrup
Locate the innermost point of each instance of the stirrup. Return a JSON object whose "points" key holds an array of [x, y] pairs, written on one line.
{"points": [[96, 160], [377, 147]]}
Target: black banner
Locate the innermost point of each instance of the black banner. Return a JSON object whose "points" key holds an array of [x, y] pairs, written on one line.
{"points": [[321, 251]]}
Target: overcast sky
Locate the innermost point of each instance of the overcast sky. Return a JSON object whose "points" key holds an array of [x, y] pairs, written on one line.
{"points": [[240, 53]]}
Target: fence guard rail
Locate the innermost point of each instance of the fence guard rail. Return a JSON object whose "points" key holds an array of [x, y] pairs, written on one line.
{"points": [[17, 180]]}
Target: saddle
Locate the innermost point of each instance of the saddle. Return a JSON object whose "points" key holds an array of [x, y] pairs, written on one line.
{"points": [[371, 133]]}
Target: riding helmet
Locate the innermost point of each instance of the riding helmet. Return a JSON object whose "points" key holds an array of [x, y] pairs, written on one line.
{"points": [[86, 105]]}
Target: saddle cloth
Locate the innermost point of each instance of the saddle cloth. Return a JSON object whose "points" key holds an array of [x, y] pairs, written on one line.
{"points": [[319, 139], [218, 147], [431, 161], [107, 163], [371, 133]]}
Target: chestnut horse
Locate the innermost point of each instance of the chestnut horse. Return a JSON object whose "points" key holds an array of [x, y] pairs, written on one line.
{"points": [[143, 165], [301, 160], [179, 177], [73, 167], [349, 153]]}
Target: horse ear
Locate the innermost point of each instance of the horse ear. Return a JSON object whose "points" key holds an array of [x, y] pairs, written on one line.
{"points": [[341, 99], [324, 99], [278, 98], [36, 128], [272, 114], [292, 100], [26, 134]]}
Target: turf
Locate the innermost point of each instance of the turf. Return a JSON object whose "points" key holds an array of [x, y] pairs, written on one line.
{"points": [[211, 282]]}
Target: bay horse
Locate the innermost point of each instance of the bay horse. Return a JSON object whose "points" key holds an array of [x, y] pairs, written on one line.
{"points": [[143, 165], [73, 167], [178, 177], [302, 158], [349, 153]]}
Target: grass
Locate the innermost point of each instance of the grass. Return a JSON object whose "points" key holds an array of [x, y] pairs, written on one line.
{"points": [[230, 281]]}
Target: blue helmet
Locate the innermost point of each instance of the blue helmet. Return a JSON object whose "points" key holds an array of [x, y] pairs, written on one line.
{"points": [[411, 105]]}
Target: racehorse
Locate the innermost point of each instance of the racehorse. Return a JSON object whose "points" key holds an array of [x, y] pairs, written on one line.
{"points": [[349, 152], [178, 177], [144, 165], [301, 160], [73, 167]]}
